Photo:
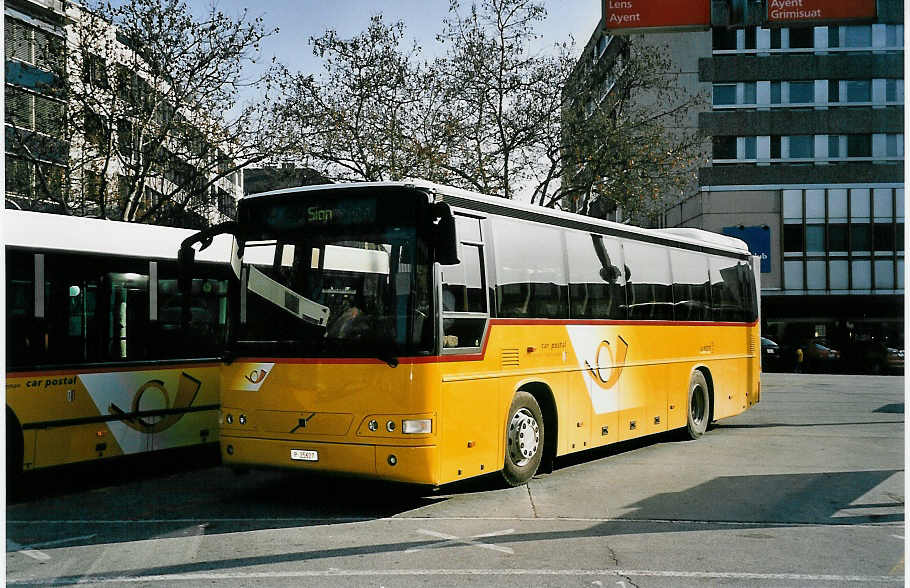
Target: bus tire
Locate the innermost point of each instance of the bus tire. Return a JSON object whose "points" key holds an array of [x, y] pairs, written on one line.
{"points": [[524, 439], [698, 406], [14, 455]]}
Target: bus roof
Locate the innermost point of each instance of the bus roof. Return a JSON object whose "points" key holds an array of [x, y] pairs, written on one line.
{"points": [[57, 232], [697, 237]]}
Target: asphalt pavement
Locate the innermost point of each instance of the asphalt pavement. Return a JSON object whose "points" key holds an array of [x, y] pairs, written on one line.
{"points": [[805, 489]]}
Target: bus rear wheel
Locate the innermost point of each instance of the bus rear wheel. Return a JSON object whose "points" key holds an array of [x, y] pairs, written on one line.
{"points": [[699, 413], [524, 439]]}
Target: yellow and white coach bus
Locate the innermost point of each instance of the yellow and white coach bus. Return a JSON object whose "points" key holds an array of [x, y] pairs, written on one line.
{"points": [[420, 333], [99, 363]]}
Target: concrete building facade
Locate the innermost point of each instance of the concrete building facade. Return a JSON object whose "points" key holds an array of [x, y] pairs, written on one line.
{"points": [[804, 128], [43, 156]]}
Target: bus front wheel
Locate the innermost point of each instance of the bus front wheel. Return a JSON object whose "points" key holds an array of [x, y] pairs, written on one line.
{"points": [[699, 406], [524, 439]]}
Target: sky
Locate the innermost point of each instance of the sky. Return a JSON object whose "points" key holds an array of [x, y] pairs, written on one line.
{"points": [[298, 20]]}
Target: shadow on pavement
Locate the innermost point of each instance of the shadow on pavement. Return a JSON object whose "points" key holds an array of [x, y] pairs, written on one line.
{"points": [[781, 501]]}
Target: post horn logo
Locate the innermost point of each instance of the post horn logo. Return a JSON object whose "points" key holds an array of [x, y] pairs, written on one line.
{"points": [[610, 362], [256, 376], [155, 421]]}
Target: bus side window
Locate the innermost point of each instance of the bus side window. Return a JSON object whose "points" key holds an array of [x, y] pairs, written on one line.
{"points": [[464, 299], [597, 288], [691, 287], [128, 321], [730, 300], [206, 332], [651, 295], [24, 341], [530, 271]]}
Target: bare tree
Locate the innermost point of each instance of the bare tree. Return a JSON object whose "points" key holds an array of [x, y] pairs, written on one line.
{"points": [[371, 115], [499, 91], [492, 114], [626, 143]]}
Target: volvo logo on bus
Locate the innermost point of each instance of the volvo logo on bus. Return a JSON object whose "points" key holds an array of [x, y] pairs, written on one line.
{"points": [[301, 423]]}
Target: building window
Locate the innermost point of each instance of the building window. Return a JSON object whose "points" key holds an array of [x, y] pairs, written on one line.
{"points": [[749, 38], [793, 275], [859, 90], [815, 238], [31, 45], [802, 92], [837, 237], [883, 237], [802, 38], [723, 39], [894, 145], [775, 146], [833, 36], [884, 274], [775, 38], [793, 205], [793, 238], [859, 145], [815, 275], [861, 237], [724, 147], [776, 93], [601, 46], [802, 146], [724, 94], [858, 36], [18, 176], [749, 147], [750, 94], [838, 275], [894, 91], [862, 274], [894, 35]]}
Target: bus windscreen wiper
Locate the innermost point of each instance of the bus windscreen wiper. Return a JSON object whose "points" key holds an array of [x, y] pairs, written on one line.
{"points": [[283, 297]]}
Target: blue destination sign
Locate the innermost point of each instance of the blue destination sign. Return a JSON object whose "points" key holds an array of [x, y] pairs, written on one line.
{"points": [[758, 238]]}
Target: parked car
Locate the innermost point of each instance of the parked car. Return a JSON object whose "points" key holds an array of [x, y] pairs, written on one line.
{"points": [[819, 357], [772, 357], [874, 357]]}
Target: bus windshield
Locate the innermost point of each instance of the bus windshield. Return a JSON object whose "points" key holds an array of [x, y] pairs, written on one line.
{"points": [[330, 294]]}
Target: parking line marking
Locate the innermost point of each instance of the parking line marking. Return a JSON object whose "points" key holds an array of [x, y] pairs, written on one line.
{"points": [[12, 546], [454, 540], [30, 551], [386, 573]]}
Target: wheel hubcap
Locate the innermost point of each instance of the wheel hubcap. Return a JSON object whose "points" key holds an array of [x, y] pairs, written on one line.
{"points": [[524, 437]]}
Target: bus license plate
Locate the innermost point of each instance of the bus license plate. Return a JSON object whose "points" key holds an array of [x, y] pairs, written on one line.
{"points": [[304, 455]]}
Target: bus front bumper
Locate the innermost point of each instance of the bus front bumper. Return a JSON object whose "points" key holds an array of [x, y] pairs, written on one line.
{"points": [[418, 465]]}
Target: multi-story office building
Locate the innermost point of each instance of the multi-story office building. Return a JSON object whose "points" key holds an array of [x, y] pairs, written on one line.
{"points": [[52, 153], [805, 130]]}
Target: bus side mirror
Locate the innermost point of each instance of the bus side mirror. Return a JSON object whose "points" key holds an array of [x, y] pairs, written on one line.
{"points": [[445, 240], [186, 257]]}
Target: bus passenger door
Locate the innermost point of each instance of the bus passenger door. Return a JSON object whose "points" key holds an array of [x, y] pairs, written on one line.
{"points": [[470, 417]]}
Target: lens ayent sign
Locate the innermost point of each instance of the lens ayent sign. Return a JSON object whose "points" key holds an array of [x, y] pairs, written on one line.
{"points": [[625, 16]]}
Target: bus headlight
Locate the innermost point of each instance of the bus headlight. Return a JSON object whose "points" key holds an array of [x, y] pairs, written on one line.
{"points": [[417, 426]]}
